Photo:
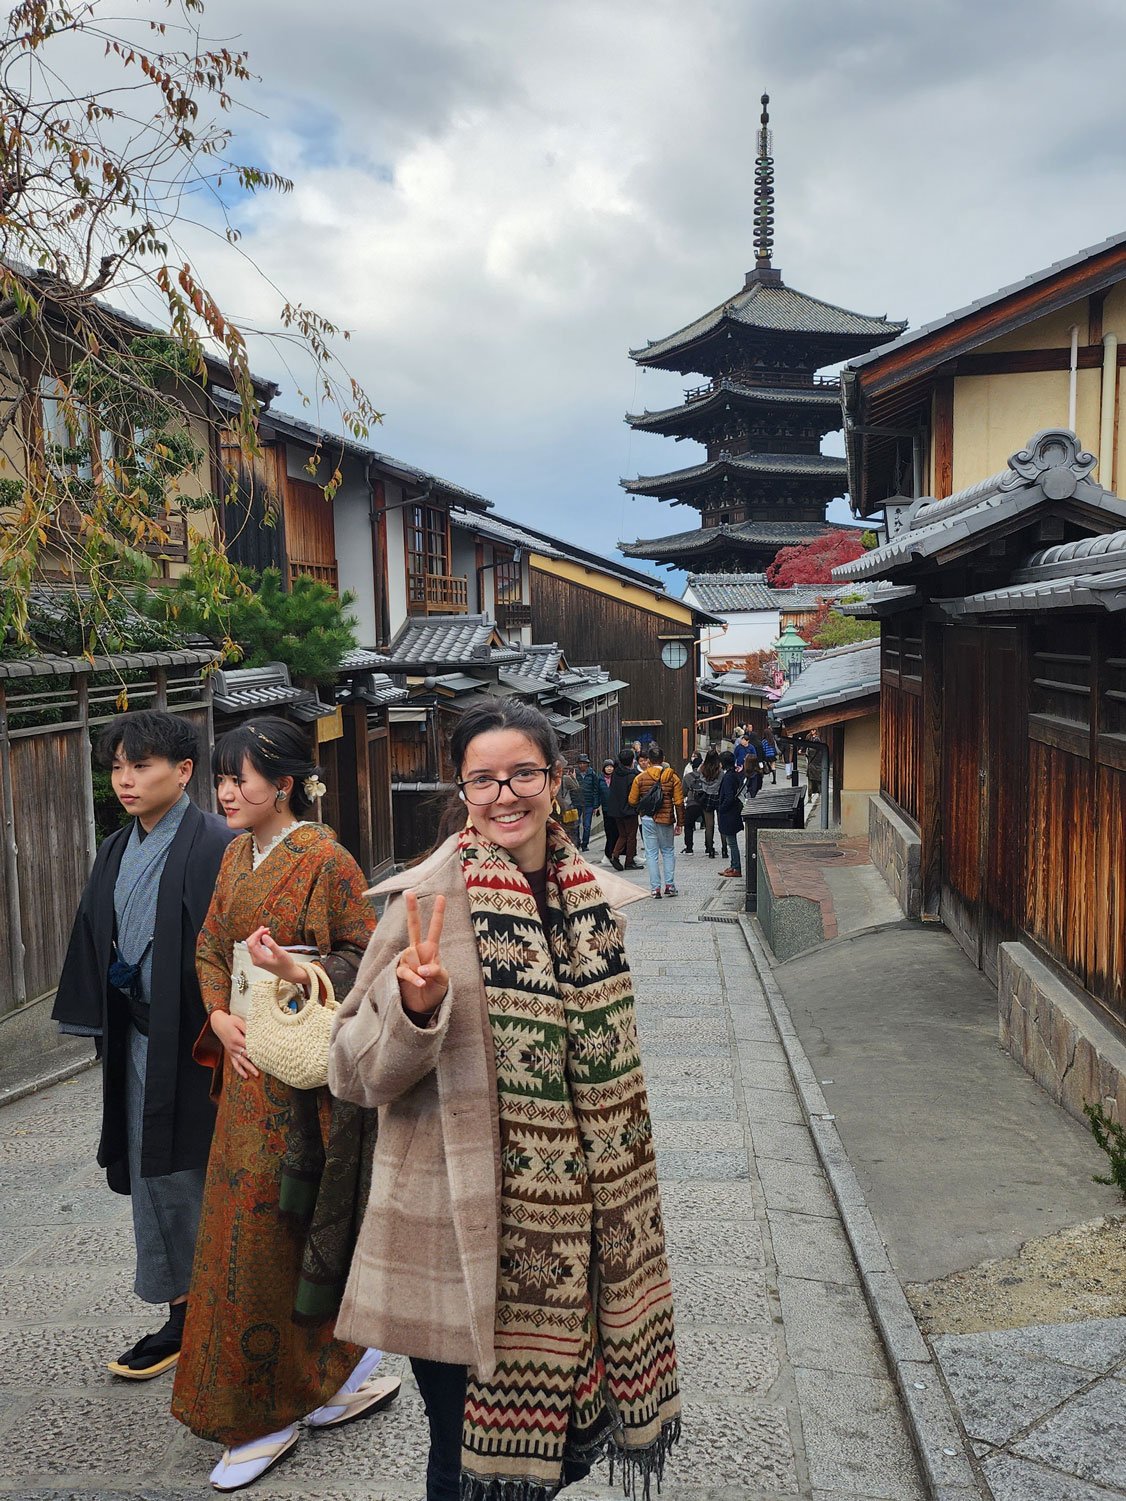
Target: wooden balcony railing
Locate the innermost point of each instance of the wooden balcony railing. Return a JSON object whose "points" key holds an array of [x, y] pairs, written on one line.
{"points": [[796, 380], [438, 594], [513, 615], [68, 520], [324, 573]]}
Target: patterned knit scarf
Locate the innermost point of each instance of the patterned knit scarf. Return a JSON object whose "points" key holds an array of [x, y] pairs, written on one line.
{"points": [[586, 1361]]}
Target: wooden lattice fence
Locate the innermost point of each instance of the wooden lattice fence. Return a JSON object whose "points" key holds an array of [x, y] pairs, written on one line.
{"points": [[49, 709]]}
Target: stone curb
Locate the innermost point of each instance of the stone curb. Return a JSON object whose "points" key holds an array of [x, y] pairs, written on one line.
{"points": [[937, 1436], [57, 1075]]}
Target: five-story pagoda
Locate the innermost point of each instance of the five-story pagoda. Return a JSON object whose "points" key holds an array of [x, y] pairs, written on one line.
{"points": [[761, 416]]}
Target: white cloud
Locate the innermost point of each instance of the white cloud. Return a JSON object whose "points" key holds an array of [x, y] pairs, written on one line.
{"points": [[500, 199]]}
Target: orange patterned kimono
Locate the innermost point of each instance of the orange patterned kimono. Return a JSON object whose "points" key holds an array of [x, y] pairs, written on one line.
{"points": [[246, 1367]]}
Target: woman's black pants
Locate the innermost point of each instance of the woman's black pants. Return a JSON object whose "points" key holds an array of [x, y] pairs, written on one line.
{"points": [[442, 1388]]}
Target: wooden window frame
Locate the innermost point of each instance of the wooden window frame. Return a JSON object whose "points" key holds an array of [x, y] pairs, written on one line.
{"points": [[419, 520]]}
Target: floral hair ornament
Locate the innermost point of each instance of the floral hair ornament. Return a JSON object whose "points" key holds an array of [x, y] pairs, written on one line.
{"points": [[313, 787]]}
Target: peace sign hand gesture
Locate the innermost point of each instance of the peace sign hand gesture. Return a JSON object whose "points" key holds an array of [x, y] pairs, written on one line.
{"points": [[422, 978]]}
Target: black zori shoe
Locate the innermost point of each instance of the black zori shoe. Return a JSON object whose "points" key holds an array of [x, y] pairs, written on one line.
{"points": [[155, 1353]]}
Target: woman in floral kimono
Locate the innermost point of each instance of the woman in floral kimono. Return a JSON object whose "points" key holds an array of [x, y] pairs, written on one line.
{"points": [[289, 1170]]}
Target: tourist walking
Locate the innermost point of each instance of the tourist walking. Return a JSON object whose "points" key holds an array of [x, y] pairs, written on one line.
{"points": [[587, 779], [289, 1168], [513, 1246], [658, 796], [609, 824], [692, 784], [769, 748], [129, 981], [624, 816], [711, 773], [730, 811]]}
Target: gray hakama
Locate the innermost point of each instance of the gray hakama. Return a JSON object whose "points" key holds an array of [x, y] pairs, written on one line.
{"points": [[165, 1209]]}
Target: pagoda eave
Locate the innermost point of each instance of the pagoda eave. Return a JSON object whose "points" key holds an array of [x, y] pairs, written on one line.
{"points": [[819, 405], [732, 342], [819, 475], [740, 544]]}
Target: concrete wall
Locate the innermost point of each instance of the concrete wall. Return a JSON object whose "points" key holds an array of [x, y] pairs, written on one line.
{"points": [[860, 778], [896, 852], [1052, 1034]]}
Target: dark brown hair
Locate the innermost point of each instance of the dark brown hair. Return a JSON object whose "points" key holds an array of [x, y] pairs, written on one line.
{"points": [[275, 748]]}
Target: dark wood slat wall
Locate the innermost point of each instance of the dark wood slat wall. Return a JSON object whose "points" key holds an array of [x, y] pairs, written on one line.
{"points": [[586, 622], [901, 714], [1059, 856], [1022, 795]]}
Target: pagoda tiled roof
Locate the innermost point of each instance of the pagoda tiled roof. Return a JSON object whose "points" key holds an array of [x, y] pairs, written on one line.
{"points": [[800, 465], [732, 593], [825, 397], [772, 307], [701, 540]]}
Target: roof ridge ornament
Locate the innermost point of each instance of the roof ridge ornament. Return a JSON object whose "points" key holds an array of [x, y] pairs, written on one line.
{"points": [[1053, 459]]}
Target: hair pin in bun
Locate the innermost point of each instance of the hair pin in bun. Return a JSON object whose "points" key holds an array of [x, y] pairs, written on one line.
{"points": [[313, 787]]}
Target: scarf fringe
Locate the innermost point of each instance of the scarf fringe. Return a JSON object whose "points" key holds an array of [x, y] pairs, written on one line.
{"points": [[640, 1470]]}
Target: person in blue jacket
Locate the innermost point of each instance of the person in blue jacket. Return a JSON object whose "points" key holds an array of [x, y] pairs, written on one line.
{"points": [[588, 780]]}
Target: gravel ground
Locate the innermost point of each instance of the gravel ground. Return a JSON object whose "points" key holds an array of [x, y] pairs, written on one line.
{"points": [[1078, 1273]]}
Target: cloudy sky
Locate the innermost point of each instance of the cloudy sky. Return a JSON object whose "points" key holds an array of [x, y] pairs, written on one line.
{"points": [[501, 197]]}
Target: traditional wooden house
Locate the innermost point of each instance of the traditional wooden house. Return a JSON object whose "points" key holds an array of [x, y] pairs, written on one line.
{"points": [[597, 610], [938, 407], [836, 700], [1002, 803]]}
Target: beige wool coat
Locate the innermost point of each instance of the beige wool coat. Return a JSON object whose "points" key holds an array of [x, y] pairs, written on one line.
{"points": [[424, 1274]]}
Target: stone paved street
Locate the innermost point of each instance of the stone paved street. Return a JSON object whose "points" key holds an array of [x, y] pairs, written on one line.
{"points": [[785, 1385]]}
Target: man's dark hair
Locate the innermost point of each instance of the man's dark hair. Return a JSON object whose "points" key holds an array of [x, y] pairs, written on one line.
{"points": [[148, 732], [653, 751], [626, 758], [727, 759]]}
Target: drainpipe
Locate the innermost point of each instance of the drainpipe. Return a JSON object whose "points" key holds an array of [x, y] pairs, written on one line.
{"points": [[1106, 424], [1073, 373]]}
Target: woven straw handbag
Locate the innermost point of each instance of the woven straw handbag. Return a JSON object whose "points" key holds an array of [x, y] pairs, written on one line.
{"points": [[287, 1032]]}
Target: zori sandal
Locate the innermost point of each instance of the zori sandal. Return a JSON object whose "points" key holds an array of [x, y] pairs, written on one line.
{"points": [[376, 1393], [244, 1465]]}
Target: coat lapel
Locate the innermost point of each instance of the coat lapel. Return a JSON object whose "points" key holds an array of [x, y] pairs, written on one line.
{"points": [[168, 955]]}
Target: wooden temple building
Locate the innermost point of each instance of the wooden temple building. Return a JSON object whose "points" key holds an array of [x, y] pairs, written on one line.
{"points": [[764, 483]]}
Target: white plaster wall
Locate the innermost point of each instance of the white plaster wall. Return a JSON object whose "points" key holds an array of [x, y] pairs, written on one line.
{"points": [[354, 564], [463, 561], [396, 557], [747, 631]]}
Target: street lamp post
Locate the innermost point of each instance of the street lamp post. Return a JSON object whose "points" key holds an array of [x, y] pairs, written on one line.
{"points": [[791, 650]]}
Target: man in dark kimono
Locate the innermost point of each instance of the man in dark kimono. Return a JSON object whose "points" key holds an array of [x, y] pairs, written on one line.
{"points": [[129, 981]]}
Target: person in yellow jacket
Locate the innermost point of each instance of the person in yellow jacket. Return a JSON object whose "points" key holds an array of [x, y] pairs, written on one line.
{"points": [[658, 795]]}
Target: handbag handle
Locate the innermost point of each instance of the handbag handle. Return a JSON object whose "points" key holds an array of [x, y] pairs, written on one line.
{"points": [[321, 992]]}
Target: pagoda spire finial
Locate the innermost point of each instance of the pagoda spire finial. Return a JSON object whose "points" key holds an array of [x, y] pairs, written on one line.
{"points": [[764, 191]]}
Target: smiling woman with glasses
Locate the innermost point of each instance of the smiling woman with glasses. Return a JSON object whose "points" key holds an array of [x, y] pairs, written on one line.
{"points": [[529, 781], [492, 1023]]}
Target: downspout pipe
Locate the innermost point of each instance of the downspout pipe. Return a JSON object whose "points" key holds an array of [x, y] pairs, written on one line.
{"points": [[1073, 376], [1109, 403]]}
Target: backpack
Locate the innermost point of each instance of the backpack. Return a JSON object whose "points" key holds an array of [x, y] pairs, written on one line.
{"points": [[652, 800]]}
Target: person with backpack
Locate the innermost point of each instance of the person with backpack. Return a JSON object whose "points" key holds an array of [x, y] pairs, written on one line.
{"points": [[658, 796], [625, 817], [731, 811], [711, 774], [693, 804]]}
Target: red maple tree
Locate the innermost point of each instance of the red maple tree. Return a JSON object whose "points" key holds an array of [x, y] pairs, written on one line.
{"points": [[813, 562]]}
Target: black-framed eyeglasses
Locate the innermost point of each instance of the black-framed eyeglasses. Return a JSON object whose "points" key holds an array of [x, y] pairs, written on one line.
{"points": [[528, 782]]}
